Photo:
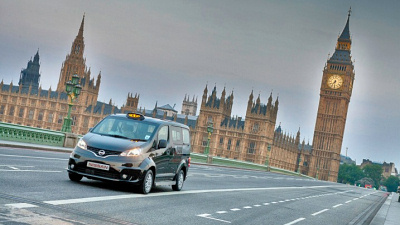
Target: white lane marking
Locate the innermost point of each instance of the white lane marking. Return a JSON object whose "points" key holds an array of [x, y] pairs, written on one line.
{"points": [[266, 204], [40, 171], [247, 207], [324, 210], [235, 209], [335, 206], [33, 157], [221, 212], [211, 218], [129, 196], [355, 199], [295, 221], [348, 201], [257, 205], [21, 205]]}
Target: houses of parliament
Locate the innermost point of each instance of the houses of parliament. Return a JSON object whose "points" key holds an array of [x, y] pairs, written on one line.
{"points": [[255, 138]]}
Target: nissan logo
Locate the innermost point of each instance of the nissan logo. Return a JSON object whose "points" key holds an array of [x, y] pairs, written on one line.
{"points": [[102, 152]]}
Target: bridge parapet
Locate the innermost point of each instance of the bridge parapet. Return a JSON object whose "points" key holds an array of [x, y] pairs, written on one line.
{"points": [[19, 133]]}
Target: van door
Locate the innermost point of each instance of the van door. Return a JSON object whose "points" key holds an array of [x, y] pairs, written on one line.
{"points": [[162, 156], [186, 142], [177, 141]]}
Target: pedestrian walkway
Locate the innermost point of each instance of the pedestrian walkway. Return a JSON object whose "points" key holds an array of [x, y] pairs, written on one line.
{"points": [[34, 146], [389, 214]]}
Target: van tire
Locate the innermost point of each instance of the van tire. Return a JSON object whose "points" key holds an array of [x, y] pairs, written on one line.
{"points": [[180, 178], [75, 177], [147, 183]]}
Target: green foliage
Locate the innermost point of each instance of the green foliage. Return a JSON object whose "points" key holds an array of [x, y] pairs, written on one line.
{"points": [[374, 172], [349, 174], [364, 181], [392, 183]]}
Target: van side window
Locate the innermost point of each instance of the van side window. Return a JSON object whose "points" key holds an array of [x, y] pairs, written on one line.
{"points": [[176, 135], [186, 137], [163, 133]]}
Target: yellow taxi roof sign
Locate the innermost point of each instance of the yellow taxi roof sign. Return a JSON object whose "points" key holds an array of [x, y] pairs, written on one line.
{"points": [[135, 116]]}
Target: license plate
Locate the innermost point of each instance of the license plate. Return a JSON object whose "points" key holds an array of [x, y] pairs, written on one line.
{"points": [[98, 166]]}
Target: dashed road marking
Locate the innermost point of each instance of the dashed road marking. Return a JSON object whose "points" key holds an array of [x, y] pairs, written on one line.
{"points": [[335, 206], [208, 216], [21, 205], [295, 221], [319, 212]]}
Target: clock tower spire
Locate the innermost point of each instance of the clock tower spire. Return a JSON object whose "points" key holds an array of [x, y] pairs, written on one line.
{"points": [[335, 93]]}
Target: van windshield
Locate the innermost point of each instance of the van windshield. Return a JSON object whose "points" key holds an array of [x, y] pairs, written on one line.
{"points": [[121, 127]]}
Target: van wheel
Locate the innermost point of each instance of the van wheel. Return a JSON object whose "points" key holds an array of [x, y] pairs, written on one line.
{"points": [[147, 182], [180, 178], [75, 177]]}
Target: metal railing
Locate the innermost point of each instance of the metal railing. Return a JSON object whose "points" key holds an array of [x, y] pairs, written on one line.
{"points": [[202, 158], [19, 133]]}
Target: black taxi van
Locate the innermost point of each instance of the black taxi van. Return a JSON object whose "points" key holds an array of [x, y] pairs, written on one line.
{"points": [[135, 149]]}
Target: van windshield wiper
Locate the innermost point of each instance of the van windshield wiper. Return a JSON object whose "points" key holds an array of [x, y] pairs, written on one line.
{"points": [[117, 136], [135, 139]]}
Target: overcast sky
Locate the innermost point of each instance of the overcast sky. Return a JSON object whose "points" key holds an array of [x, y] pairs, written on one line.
{"points": [[163, 50]]}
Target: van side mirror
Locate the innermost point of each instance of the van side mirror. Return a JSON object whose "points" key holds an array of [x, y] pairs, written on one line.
{"points": [[90, 129], [162, 144]]}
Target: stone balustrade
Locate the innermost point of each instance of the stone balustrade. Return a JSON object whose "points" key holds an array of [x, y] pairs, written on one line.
{"points": [[19, 133]]}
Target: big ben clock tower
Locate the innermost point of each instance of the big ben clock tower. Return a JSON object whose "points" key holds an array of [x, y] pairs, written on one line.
{"points": [[335, 93]]}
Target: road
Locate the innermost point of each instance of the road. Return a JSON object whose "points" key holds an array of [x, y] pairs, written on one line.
{"points": [[35, 189]]}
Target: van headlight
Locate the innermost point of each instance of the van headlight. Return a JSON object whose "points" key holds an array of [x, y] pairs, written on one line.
{"points": [[82, 144], [132, 152]]}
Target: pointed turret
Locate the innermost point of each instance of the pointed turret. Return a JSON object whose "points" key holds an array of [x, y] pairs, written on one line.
{"points": [[343, 46], [298, 137], [80, 33], [345, 36], [205, 95]]}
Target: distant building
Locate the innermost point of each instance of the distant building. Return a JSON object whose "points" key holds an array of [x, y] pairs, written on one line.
{"points": [[189, 107], [389, 169], [30, 105], [170, 111], [346, 160]]}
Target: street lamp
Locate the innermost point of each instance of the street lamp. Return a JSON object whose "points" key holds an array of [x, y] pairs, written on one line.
{"points": [[210, 129], [267, 160], [298, 168], [73, 90]]}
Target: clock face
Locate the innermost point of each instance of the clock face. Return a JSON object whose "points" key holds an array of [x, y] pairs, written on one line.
{"points": [[335, 81]]}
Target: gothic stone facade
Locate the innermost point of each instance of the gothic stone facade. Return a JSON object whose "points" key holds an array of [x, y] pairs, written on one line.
{"points": [[254, 139], [335, 93], [27, 104]]}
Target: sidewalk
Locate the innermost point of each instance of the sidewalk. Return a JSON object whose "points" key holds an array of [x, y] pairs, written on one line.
{"points": [[388, 214], [34, 146]]}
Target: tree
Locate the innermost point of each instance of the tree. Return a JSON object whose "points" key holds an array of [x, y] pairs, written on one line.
{"points": [[364, 181], [374, 172], [349, 173], [392, 183]]}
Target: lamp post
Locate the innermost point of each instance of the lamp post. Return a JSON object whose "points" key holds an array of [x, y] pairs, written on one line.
{"points": [[267, 160], [73, 90], [298, 168], [210, 129]]}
